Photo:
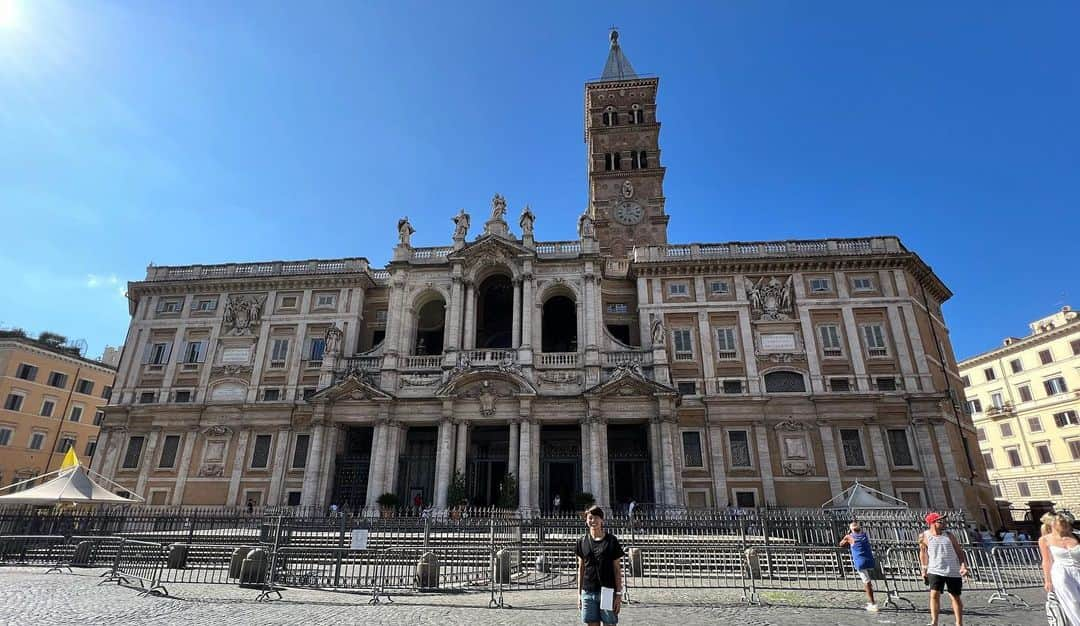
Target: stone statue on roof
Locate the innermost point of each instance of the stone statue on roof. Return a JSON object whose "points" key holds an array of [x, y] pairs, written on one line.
{"points": [[526, 222], [498, 207], [461, 224], [405, 231]]}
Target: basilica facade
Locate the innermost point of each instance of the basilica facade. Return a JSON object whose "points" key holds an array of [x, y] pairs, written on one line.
{"points": [[617, 364]]}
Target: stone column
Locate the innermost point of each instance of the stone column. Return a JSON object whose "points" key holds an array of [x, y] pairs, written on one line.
{"points": [[311, 470], [667, 439], [527, 310], [515, 327], [881, 460], [832, 465], [899, 335], [185, 466], [717, 465], [856, 342], [656, 456], [462, 446], [586, 455], [239, 456], [453, 323], [817, 382], [443, 461], [279, 466], [935, 489], [708, 360], [97, 462], [377, 467], [768, 485], [469, 341], [512, 453], [393, 452], [326, 477], [952, 469], [595, 454], [603, 491], [146, 462], [525, 495], [746, 333]]}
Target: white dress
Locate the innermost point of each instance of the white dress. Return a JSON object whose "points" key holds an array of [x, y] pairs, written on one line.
{"points": [[1065, 574]]}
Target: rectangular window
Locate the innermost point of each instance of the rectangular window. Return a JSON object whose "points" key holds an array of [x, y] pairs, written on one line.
{"points": [[65, 444], [14, 402], [997, 490], [56, 379], [91, 448], [194, 352], [1024, 489], [106, 393], [885, 384], [288, 302], [1075, 344], [678, 289], [982, 434], [1066, 418], [146, 397], [158, 353], [1014, 457], [746, 499], [687, 387], [380, 316], [1016, 365], [168, 451], [1054, 487], [852, 445], [279, 353], [966, 381], [76, 413], [839, 384], [1025, 393], [739, 448], [37, 440], [684, 346], [206, 304], [1006, 430], [308, 392], [1054, 386], [300, 451], [325, 300], [99, 417], [989, 374], [732, 386], [1042, 451], [988, 459], [1046, 357], [718, 287], [618, 308], [271, 395], [974, 406], [725, 344], [875, 340], [47, 408], [318, 345], [996, 400], [691, 443], [900, 447], [862, 284], [183, 396], [170, 306], [134, 451], [26, 372], [5, 436], [85, 387], [1035, 425], [1074, 449], [820, 285], [830, 340], [261, 454]]}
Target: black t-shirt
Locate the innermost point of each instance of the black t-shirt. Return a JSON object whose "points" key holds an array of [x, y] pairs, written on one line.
{"points": [[600, 556]]}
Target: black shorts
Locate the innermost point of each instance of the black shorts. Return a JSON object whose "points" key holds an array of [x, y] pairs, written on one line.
{"points": [[939, 583]]}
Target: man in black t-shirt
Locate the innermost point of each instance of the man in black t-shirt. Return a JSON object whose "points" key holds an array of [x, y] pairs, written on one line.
{"points": [[599, 567]]}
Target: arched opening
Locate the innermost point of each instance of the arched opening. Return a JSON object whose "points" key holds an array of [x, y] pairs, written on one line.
{"points": [[784, 382], [559, 325], [494, 312], [430, 327]]}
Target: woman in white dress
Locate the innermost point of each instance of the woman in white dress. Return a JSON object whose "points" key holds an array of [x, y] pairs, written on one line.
{"points": [[1061, 564]]}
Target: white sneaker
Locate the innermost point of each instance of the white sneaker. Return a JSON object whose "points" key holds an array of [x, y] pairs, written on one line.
{"points": [[871, 607]]}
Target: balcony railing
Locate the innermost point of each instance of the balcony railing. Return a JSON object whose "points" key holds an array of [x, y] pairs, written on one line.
{"points": [[875, 245], [361, 363], [622, 357], [548, 249], [427, 362], [556, 360], [430, 255], [274, 268], [488, 357]]}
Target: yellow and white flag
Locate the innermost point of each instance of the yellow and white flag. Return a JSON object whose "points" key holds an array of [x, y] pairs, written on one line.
{"points": [[70, 460]]}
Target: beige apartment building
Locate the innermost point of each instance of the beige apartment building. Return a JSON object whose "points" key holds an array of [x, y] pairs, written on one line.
{"points": [[619, 364], [52, 400], [1024, 398]]}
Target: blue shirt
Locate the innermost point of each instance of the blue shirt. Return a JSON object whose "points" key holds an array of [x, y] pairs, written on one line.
{"points": [[861, 554]]}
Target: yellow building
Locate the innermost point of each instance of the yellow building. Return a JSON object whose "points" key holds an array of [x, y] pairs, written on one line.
{"points": [[1024, 398], [52, 400]]}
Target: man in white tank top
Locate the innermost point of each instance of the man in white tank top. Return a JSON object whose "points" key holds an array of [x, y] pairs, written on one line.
{"points": [[943, 566]]}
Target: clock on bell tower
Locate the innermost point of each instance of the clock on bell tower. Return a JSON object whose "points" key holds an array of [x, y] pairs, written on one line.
{"points": [[622, 135]]}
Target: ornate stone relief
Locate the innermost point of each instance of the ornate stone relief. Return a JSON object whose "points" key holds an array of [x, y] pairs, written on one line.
{"points": [[785, 357], [419, 380], [243, 313], [212, 470], [560, 378], [217, 430], [230, 371], [795, 467], [770, 298], [332, 340]]}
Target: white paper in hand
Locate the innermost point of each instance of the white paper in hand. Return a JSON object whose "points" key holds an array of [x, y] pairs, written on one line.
{"points": [[607, 599]]}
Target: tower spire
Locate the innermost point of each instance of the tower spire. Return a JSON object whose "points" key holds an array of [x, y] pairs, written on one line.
{"points": [[618, 66]]}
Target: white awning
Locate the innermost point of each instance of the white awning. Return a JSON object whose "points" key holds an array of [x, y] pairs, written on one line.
{"points": [[71, 485], [859, 496]]}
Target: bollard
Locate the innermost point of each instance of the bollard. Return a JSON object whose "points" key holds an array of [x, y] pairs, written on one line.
{"points": [[542, 564], [427, 571], [81, 557], [636, 563], [753, 563], [253, 570], [237, 561], [501, 567], [178, 556]]}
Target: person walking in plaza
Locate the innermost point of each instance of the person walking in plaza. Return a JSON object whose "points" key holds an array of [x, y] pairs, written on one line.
{"points": [[862, 557], [943, 567], [599, 571], [1060, 551]]}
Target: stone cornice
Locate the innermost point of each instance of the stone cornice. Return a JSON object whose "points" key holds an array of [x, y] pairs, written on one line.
{"points": [[29, 345], [1024, 344], [250, 283]]}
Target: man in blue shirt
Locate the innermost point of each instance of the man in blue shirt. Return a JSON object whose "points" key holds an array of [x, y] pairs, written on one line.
{"points": [[862, 557]]}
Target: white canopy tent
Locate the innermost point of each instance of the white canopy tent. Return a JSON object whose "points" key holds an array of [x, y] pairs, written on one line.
{"points": [[70, 485], [859, 496]]}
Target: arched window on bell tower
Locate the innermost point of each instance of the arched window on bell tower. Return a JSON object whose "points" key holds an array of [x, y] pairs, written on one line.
{"points": [[637, 115], [611, 117]]}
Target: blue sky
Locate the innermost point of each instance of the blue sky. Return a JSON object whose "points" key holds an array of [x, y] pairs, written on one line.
{"points": [[202, 132]]}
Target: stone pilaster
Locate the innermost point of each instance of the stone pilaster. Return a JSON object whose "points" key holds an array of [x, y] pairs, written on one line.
{"points": [[462, 446], [515, 326], [311, 471], [377, 467], [525, 496], [768, 483], [717, 465], [281, 451], [832, 464], [443, 460], [239, 456], [952, 469], [881, 460], [856, 342], [185, 466], [468, 342], [512, 454], [147, 462], [935, 489]]}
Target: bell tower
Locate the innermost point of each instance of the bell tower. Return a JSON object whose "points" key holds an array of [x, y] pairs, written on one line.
{"points": [[622, 136]]}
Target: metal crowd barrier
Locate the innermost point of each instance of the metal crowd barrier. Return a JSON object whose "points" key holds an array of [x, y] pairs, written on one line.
{"points": [[142, 562]]}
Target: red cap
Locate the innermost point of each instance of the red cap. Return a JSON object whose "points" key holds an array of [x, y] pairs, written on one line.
{"points": [[933, 517]]}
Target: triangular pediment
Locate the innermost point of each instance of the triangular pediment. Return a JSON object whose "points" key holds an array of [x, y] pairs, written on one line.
{"points": [[356, 386], [630, 381], [489, 246]]}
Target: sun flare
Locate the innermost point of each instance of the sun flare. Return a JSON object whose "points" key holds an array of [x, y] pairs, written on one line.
{"points": [[9, 13]]}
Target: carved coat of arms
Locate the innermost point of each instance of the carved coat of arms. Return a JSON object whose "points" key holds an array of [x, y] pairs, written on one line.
{"points": [[243, 313], [770, 298]]}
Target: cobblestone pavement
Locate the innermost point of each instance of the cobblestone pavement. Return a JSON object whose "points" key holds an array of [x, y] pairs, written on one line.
{"points": [[28, 596]]}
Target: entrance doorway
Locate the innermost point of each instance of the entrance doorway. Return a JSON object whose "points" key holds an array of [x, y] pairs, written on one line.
{"points": [[351, 469], [629, 465], [487, 464], [560, 466], [416, 467]]}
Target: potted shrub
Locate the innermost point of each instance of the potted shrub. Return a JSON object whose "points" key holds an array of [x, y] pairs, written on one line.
{"points": [[388, 503], [456, 495]]}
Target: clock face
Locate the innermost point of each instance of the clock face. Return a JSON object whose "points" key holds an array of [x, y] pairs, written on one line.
{"points": [[628, 212]]}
